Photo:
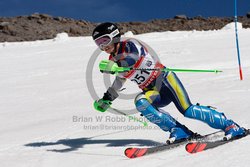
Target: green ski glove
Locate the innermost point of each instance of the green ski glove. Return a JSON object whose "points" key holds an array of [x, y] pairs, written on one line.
{"points": [[102, 105], [108, 66]]}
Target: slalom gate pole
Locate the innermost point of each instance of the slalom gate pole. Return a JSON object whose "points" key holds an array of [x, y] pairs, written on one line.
{"points": [[237, 41]]}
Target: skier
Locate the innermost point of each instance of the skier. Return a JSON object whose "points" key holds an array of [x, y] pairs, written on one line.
{"points": [[158, 88]]}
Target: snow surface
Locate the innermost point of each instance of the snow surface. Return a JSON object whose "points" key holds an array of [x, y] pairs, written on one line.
{"points": [[43, 90]]}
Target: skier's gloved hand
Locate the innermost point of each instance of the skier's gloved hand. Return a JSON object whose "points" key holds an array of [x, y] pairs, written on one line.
{"points": [[108, 66], [102, 105]]}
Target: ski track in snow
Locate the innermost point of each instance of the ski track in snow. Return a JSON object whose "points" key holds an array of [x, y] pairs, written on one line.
{"points": [[43, 87]]}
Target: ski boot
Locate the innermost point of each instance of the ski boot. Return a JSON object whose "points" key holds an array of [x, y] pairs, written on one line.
{"points": [[233, 130], [215, 120], [165, 121], [181, 133]]}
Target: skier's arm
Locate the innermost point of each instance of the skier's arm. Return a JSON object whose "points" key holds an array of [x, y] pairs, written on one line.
{"points": [[118, 83], [110, 95], [131, 56]]}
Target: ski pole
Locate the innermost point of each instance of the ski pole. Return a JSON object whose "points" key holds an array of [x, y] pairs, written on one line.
{"points": [[176, 70], [129, 116], [125, 69], [108, 66]]}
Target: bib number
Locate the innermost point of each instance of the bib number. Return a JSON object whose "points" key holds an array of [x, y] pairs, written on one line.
{"points": [[139, 78]]}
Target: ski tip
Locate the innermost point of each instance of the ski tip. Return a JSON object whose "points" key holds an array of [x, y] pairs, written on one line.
{"points": [[127, 152], [189, 147], [195, 147], [135, 152]]}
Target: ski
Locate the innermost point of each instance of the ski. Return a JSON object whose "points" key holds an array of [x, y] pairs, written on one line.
{"points": [[199, 146], [135, 152]]}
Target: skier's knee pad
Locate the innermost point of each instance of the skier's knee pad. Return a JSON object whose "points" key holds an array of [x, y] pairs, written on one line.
{"points": [[208, 115], [163, 120]]}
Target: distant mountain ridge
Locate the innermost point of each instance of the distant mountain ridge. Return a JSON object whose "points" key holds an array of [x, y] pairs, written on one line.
{"points": [[42, 26]]}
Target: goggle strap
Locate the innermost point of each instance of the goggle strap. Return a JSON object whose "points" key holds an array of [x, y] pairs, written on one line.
{"points": [[114, 33]]}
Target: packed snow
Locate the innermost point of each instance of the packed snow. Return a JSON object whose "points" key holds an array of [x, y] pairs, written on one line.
{"points": [[47, 117]]}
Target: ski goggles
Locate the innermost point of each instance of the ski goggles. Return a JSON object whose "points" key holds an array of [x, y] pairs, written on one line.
{"points": [[106, 39]]}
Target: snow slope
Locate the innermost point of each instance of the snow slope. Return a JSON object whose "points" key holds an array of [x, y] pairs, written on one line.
{"points": [[46, 113]]}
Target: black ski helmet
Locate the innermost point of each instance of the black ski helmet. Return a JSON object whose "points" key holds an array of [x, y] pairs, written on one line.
{"points": [[109, 29]]}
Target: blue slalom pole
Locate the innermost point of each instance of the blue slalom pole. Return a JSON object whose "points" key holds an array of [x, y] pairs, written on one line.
{"points": [[237, 41]]}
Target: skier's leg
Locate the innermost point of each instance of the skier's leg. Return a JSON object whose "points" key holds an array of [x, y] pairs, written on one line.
{"points": [[164, 120], [214, 119], [174, 89]]}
